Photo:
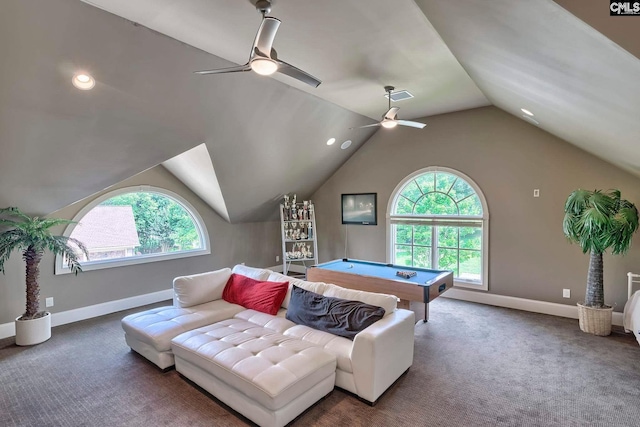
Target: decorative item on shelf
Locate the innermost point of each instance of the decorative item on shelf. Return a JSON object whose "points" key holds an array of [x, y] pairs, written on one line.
{"points": [[297, 228], [294, 211], [285, 211], [598, 220]]}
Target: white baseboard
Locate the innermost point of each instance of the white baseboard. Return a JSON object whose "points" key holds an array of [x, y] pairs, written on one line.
{"points": [[7, 330], [69, 316], [555, 309], [83, 313]]}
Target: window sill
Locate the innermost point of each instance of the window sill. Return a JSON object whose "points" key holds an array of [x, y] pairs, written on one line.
{"points": [[121, 262]]}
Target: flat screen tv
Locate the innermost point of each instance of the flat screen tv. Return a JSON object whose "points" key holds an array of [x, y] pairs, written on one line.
{"points": [[359, 209]]}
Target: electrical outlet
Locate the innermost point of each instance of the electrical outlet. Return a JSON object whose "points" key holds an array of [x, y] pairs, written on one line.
{"points": [[48, 302], [536, 192], [277, 258], [566, 293]]}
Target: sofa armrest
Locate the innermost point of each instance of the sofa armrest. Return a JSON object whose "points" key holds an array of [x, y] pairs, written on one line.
{"points": [[201, 288], [382, 353]]}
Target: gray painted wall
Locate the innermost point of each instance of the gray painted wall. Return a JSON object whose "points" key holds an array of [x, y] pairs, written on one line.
{"points": [[256, 244], [508, 158]]}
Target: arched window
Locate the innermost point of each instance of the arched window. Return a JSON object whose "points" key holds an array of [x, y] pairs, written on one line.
{"points": [[137, 225], [438, 218]]}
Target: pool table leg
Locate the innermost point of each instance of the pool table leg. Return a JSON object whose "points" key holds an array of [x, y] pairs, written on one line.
{"points": [[426, 312]]}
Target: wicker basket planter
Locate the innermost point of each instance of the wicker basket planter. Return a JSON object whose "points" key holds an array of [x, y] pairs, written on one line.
{"points": [[596, 321]]}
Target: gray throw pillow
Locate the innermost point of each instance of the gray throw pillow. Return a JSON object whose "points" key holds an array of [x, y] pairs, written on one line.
{"points": [[337, 316]]}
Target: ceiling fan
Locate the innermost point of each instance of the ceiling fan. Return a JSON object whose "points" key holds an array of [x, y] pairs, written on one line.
{"points": [[264, 58], [389, 120]]}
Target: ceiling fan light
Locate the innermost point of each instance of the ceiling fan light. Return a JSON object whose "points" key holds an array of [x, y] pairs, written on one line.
{"points": [[83, 81], [388, 123], [264, 67]]}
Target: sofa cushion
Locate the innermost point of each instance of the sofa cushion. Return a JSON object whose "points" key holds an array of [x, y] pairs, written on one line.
{"points": [[258, 295], [157, 326], [340, 347], [338, 316], [317, 287], [277, 323], [200, 288], [388, 302], [253, 272]]}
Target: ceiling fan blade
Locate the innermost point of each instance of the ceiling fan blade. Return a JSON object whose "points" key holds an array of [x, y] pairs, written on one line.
{"points": [[411, 124], [266, 34], [391, 114], [236, 69], [367, 126], [297, 73]]}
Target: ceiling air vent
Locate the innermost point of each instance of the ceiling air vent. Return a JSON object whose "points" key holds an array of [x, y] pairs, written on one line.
{"points": [[400, 95]]}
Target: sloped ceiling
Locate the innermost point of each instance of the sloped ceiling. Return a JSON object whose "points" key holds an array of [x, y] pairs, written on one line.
{"points": [[266, 136]]}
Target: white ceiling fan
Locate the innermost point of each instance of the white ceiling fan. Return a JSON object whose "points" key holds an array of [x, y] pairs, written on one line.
{"points": [[390, 120], [263, 58]]}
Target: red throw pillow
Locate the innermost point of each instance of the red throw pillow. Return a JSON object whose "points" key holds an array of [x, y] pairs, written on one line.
{"points": [[266, 297]]}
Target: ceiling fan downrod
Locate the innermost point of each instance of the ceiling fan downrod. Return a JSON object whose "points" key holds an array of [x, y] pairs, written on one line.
{"points": [[389, 89]]}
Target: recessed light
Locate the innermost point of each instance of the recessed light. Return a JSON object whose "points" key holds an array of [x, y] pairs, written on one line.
{"points": [[83, 81], [527, 112], [346, 144], [331, 141], [530, 119]]}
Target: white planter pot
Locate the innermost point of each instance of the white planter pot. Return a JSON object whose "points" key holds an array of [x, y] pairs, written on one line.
{"points": [[34, 331]]}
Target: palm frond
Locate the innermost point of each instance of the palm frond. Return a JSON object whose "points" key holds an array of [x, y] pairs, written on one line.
{"points": [[60, 245], [13, 211], [599, 220], [10, 241], [576, 201], [604, 203], [34, 232]]}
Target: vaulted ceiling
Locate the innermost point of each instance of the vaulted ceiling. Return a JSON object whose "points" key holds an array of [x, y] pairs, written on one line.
{"points": [[571, 64]]}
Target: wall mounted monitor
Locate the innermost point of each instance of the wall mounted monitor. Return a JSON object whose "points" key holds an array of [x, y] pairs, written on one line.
{"points": [[359, 209]]}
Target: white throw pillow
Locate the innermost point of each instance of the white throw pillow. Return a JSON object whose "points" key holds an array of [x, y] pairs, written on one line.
{"points": [[253, 272], [200, 288], [388, 302]]}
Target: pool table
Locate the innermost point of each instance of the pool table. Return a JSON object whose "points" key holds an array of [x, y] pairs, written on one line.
{"points": [[424, 286]]}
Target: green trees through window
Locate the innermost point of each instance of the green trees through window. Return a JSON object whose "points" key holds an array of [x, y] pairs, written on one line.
{"points": [[137, 225], [162, 224], [437, 221]]}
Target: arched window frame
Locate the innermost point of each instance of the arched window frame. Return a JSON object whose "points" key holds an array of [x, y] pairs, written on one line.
{"points": [[61, 268], [392, 218]]}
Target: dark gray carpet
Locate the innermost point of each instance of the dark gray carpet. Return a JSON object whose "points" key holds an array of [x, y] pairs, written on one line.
{"points": [[474, 365]]}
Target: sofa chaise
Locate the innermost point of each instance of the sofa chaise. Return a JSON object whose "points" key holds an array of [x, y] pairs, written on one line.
{"points": [[265, 366]]}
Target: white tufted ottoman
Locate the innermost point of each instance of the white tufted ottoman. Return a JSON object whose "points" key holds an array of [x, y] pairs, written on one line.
{"points": [[266, 376]]}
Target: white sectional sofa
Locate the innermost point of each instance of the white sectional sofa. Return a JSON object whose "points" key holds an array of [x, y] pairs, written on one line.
{"points": [[265, 366]]}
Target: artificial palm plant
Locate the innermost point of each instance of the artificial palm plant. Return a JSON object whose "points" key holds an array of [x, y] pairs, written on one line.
{"points": [[32, 236], [597, 221]]}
